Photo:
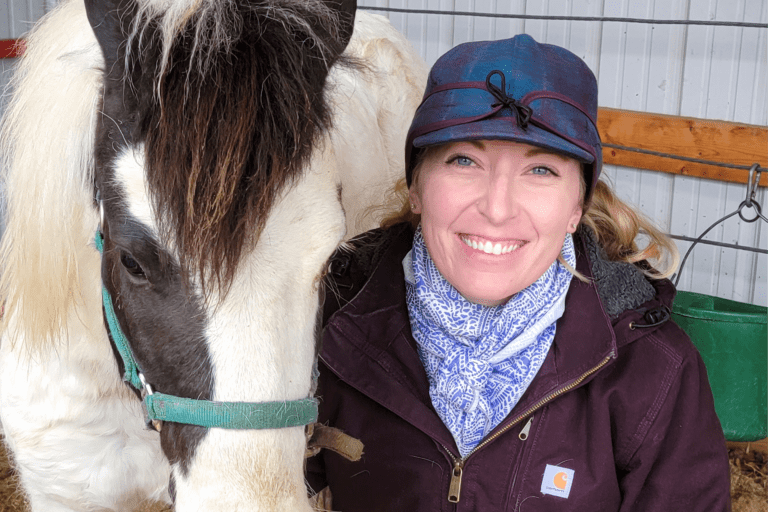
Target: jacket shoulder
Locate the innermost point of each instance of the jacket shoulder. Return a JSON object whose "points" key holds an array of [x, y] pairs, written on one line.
{"points": [[674, 431], [652, 376]]}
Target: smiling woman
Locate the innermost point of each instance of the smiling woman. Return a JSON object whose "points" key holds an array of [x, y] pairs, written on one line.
{"points": [[461, 351]]}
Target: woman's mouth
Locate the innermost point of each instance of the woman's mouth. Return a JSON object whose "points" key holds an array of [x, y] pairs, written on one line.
{"points": [[491, 247]]}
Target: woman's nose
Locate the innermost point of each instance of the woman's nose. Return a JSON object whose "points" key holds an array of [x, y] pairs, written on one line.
{"points": [[498, 203]]}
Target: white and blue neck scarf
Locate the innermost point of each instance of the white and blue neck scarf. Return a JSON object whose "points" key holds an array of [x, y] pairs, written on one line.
{"points": [[480, 359]]}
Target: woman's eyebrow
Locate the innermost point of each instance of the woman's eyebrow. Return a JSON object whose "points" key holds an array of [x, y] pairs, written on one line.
{"points": [[477, 143], [542, 151]]}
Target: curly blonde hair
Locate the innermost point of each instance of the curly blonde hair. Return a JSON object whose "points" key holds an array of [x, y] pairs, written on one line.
{"points": [[615, 224]]}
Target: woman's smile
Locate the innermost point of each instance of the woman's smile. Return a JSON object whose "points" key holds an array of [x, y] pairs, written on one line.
{"points": [[489, 246]]}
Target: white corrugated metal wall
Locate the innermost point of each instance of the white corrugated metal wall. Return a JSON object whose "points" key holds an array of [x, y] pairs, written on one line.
{"points": [[16, 17], [696, 71]]}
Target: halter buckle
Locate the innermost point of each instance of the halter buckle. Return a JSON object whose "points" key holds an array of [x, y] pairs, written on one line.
{"points": [[146, 390]]}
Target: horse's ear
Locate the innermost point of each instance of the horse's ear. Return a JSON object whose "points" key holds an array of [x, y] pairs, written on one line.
{"points": [[107, 19], [346, 9]]}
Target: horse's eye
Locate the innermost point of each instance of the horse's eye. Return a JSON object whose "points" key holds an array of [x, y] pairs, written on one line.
{"points": [[131, 265]]}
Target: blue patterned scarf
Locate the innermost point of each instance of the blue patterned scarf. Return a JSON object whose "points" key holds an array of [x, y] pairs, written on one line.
{"points": [[480, 359]]}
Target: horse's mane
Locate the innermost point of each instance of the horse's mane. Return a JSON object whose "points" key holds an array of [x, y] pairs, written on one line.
{"points": [[233, 116], [47, 149], [223, 81]]}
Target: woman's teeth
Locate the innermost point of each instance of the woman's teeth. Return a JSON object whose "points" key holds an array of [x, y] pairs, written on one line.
{"points": [[489, 247]]}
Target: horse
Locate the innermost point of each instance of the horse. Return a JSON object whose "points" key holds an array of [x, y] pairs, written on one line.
{"points": [[177, 174]]}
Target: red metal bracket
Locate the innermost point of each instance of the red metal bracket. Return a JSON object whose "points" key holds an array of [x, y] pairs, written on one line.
{"points": [[11, 48]]}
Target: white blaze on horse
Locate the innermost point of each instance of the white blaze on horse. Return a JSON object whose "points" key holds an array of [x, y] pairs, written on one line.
{"points": [[216, 152]]}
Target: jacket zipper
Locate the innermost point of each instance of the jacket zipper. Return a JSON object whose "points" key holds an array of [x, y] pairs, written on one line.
{"points": [[523, 436], [454, 490]]}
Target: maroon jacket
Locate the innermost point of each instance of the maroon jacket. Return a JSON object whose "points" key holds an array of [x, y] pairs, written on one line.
{"points": [[622, 410]]}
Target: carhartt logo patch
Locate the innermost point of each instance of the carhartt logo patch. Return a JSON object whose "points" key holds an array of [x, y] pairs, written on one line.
{"points": [[557, 481]]}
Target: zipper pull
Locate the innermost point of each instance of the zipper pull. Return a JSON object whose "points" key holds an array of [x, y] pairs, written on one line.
{"points": [[526, 429], [455, 489]]}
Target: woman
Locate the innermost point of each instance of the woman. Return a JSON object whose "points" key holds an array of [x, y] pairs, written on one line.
{"points": [[508, 347]]}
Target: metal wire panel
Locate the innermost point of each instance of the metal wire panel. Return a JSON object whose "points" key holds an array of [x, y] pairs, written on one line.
{"points": [[695, 71]]}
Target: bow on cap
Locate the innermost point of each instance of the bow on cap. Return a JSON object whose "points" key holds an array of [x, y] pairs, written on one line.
{"points": [[522, 112]]}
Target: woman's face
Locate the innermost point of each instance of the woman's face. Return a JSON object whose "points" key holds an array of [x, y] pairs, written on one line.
{"points": [[494, 214]]}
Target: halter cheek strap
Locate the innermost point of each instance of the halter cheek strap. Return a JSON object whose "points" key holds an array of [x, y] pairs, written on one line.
{"points": [[159, 407]]}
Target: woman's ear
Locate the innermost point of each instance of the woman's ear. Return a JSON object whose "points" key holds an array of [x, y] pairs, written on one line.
{"points": [[415, 199], [573, 221]]}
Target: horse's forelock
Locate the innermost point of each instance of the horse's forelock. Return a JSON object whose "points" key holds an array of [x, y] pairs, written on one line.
{"points": [[216, 24], [231, 117]]}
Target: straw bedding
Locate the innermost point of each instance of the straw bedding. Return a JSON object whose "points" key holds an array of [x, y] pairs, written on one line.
{"points": [[749, 478], [749, 482]]}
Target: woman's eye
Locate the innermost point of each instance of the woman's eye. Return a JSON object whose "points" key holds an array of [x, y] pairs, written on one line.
{"points": [[131, 265], [542, 171], [463, 161]]}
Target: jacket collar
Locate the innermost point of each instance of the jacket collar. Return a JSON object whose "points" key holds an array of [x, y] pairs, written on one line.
{"points": [[369, 345]]}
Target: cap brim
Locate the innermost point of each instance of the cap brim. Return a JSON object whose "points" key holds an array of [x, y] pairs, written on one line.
{"points": [[504, 128]]}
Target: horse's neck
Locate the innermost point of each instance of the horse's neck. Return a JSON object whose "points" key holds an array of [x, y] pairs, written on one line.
{"points": [[267, 475], [265, 330], [373, 108]]}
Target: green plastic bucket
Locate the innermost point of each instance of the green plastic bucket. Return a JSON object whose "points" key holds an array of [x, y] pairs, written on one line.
{"points": [[732, 338]]}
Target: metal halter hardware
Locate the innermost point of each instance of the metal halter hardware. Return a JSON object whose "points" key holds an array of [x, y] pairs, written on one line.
{"points": [[159, 407]]}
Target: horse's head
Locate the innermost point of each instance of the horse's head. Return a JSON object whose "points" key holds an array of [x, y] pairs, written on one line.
{"points": [[219, 210]]}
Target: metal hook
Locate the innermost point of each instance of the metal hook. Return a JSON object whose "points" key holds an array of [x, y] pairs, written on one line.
{"points": [[752, 184], [749, 202]]}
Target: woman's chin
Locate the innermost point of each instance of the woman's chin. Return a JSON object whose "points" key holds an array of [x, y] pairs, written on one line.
{"points": [[487, 294], [489, 302]]}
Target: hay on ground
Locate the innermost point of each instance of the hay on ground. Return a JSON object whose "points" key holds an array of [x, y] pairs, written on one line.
{"points": [[749, 482]]}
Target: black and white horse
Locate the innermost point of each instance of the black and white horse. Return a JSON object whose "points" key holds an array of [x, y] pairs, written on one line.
{"points": [[217, 151]]}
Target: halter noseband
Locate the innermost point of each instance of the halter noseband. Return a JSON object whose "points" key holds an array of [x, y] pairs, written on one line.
{"points": [[159, 407]]}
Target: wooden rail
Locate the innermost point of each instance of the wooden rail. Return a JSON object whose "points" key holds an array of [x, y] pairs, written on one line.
{"points": [[717, 141]]}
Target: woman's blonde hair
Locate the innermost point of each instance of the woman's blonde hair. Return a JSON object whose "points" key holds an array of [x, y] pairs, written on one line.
{"points": [[616, 226]]}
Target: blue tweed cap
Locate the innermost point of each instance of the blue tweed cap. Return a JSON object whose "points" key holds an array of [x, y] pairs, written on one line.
{"points": [[514, 89]]}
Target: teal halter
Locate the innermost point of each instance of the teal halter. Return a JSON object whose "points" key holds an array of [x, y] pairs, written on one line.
{"points": [[160, 407]]}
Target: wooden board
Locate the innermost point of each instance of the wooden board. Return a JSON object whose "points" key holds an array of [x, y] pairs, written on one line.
{"points": [[718, 141], [761, 446]]}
